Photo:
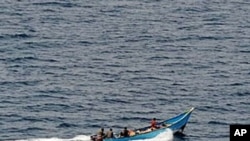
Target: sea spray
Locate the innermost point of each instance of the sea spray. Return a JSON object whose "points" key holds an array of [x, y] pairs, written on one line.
{"points": [[77, 138], [167, 135]]}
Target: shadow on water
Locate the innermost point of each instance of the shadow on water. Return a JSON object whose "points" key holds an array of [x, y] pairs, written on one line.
{"points": [[179, 136]]}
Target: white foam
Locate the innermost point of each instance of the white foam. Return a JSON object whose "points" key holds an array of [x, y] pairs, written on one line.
{"points": [[167, 135], [81, 138], [77, 138]]}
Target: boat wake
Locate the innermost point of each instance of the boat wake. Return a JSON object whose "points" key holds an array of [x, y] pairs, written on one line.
{"points": [[77, 138], [167, 135]]}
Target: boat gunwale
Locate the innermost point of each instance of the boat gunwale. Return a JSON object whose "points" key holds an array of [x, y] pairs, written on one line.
{"points": [[163, 128]]}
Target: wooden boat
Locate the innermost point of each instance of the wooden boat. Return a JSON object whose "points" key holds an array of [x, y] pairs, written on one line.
{"points": [[176, 124]]}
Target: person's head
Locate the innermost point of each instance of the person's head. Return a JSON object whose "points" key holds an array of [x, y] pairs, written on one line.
{"points": [[125, 128], [110, 129], [154, 118], [102, 129]]}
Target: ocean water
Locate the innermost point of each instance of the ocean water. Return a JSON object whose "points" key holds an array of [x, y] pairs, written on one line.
{"points": [[70, 67]]}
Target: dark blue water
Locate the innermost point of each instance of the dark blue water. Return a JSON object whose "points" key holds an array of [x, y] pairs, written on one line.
{"points": [[69, 67]]}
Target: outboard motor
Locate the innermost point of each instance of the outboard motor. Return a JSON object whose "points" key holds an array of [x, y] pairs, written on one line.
{"points": [[99, 138], [96, 138], [93, 137]]}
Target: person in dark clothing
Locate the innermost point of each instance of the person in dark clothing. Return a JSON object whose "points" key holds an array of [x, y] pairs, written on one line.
{"points": [[125, 132]]}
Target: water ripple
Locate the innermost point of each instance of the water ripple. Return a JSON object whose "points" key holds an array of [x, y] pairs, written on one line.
{"points": [[71, 67]]}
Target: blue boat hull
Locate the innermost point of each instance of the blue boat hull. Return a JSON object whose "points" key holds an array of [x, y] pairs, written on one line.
{"points": [[148, 135], [179, 122], [176, 124]]}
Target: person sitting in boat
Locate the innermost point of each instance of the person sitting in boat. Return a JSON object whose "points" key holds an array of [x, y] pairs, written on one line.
{"points": [[154, 124], [101, 132], [125, 132], [110, 133], [100, 135]]}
